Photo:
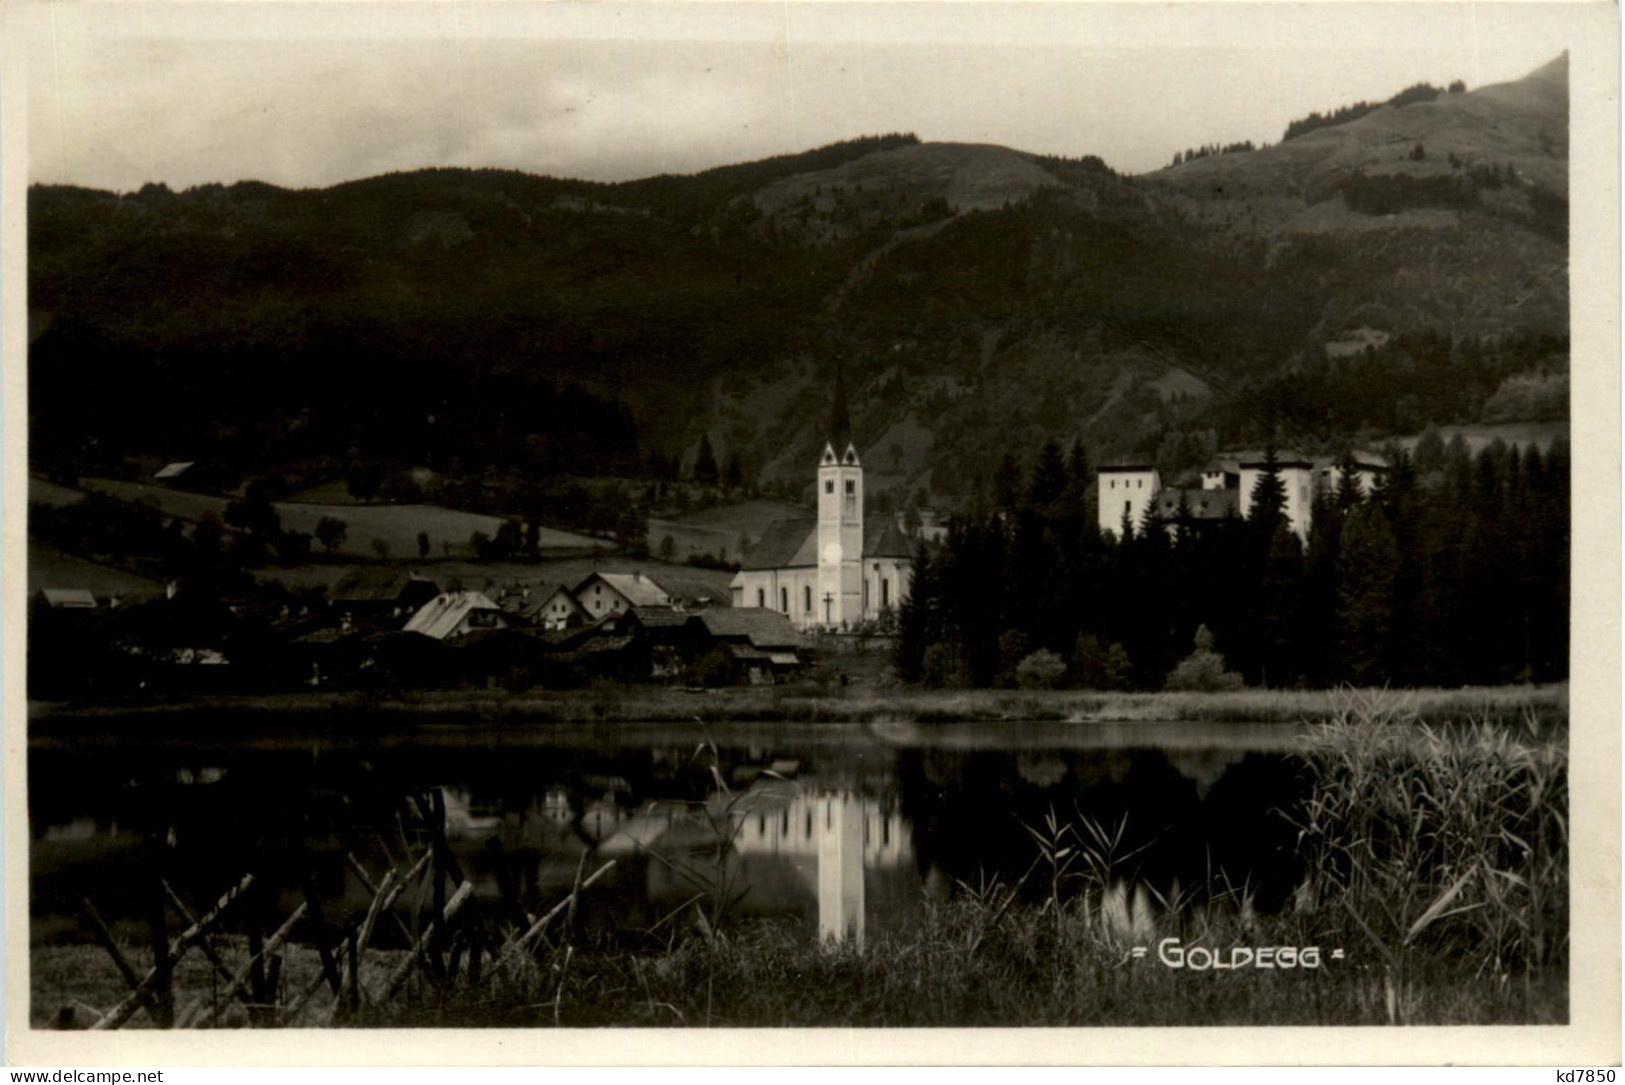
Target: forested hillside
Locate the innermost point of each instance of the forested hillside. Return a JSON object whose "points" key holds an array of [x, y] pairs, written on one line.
{"points": [[977, 299]]}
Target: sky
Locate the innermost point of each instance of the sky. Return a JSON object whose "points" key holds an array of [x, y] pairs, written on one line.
{"points": [[305, 95]]}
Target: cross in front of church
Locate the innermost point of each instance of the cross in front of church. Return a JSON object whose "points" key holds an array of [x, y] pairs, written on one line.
{"points": [[828, 600]]}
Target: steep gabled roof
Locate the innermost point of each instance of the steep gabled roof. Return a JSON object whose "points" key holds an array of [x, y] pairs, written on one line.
{"points": [[660, 617], [638, 589], [439, 617], [762, 628], [692, 591], [882, 539], [534, 600], [785, 544], [369, 585], [70, 598]]}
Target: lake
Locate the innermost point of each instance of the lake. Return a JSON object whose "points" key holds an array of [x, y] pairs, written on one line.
{"points": [[828, 825]]}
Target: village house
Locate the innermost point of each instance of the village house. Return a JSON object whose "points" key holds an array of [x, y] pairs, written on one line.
{"points": [[453, 614], [762, 645], [832, 572], [613, 593], [543, 606], [380, 593]]}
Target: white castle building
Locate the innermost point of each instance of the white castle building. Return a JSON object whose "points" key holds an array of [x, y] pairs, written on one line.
{"points": [[1228, 483]]}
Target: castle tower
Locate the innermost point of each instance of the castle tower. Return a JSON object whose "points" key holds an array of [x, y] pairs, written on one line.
{"points": [[839, 597]]}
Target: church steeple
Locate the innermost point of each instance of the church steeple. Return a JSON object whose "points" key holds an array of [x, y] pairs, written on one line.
{"points": [[840, 418]]}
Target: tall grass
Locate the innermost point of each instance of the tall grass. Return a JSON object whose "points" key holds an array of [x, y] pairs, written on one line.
{"points": [[1441, 842]]}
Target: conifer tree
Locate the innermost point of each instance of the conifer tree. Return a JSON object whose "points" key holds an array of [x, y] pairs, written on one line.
{"points": [[1049, 479], [1348, 481], [1007, 483], [1076, 498], [705, 462], [1366, 571], [1267, 505]]}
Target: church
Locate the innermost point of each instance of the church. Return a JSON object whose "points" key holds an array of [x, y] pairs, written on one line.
{"points": [[833, 572]]}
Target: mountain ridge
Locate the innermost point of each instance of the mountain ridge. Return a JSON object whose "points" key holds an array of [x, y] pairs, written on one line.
{"points": [[980, 298]]}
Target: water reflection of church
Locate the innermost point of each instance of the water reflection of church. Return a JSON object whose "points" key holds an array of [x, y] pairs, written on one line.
{"points": [[803, 849], [861, 837]]}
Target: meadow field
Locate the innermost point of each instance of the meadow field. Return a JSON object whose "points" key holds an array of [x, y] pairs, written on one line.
{"points": [[720, 528], [396, 526], [49, 567]]}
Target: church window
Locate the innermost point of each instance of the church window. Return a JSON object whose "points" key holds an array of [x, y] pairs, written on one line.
{"points": [[806, 598], [784, 600], [829, 485], [1114, 484], [761, 597], [885, 592], [851, 486]]}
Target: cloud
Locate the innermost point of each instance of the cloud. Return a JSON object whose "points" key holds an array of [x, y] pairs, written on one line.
{"points": [[608, 92]]}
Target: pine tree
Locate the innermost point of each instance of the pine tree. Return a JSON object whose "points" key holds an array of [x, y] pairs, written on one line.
{"points": [[1077, 486], [705, 463], [1278, 612], [1267, 506], [1184, 520], [1348, 482], [1007, 483], [1049, 479], [1366, 571]]}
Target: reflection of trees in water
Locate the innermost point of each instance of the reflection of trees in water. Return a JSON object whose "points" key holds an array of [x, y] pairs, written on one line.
{"points": [[968, 810], [961, 813]]}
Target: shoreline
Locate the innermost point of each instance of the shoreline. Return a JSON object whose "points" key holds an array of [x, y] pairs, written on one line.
{"points": [[807, 704]]}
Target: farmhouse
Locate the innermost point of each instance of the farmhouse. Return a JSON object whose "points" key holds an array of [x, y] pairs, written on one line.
{"points": [[760, 645], [612, 593], [545, 606], [832, 572], [383, 592], [454, 614]]}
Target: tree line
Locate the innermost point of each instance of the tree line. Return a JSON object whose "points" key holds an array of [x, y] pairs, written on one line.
{"points": [[1453, 570], [1417, 92]]}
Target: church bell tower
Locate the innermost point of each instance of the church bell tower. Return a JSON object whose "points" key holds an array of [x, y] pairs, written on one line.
{"points": [[839, 600]]}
